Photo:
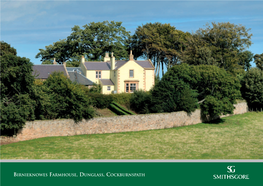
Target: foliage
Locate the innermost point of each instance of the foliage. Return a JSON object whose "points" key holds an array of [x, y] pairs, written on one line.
{"points": [[68, 99], [44, 108], [244, 59], [17, 106], [47, 62], [15, 112], [93, 40], [197, 52], [259, 60], [100, 100], [122, 98], [140, 102], [215, 90], [221, 44], [117, 110], [173, 93], [161, 43], [6, 48], [252, 88], [104, 100], [96, 88], [73, 63], [122, 108]]}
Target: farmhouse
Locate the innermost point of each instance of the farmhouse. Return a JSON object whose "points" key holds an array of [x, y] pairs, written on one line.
{"points": [[113, 76], [119, 76]]}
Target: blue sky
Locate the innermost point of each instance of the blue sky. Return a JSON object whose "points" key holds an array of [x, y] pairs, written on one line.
{"points": [[31, 25]]}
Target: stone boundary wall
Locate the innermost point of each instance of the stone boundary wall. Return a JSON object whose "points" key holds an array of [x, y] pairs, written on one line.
{"points": [[67, 127]]}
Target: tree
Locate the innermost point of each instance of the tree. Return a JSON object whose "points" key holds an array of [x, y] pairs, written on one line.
{"points": [[17, 106], [6, 48], [252, 88], [61, 50], [197, 52], [92, 41], [161, 43], [244, 59], [140, 101], [183, 86], [172, 94], [68, 99], [258, 58], [223, 43]]}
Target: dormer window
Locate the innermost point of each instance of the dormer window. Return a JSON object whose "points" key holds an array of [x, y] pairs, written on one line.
{"points": [[131, 73], [98, 74]]}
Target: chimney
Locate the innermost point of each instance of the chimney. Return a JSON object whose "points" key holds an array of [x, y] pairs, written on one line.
{"points": [[112, 60], [82, 59], [131, 56], [54, 62], [106, 58]]}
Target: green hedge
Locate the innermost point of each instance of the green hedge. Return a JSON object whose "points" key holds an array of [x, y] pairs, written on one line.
{"points": [[100, 100], [123, 109], [122, 98], [117, 110], [104, 100]]}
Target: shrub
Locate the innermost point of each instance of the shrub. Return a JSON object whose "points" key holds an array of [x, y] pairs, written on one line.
{"points": [[96, 88], [17, 106], [117, 110], [123, 109], [122, 98], [171, 97], [140, 101], [183, 86], [252, 88], [43, 107], [68, 99], [104, 100], [100, 100]]}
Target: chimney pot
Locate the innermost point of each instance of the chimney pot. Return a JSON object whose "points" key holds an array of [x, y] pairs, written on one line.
{"points": [[82, 59], [106, 58], [131, 56]]}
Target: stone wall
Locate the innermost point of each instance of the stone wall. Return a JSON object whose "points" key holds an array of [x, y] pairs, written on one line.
{"points": [[67, 127]]}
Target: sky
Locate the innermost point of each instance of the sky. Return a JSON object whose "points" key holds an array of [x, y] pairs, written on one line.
{"points": [[31, 25]]}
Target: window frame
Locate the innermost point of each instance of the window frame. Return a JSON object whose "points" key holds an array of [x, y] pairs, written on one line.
{"points": [[98, 74], [129, 86], [130, 73]]}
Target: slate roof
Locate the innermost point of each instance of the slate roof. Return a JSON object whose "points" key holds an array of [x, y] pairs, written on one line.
{"points": [[106, 82], [79, 78], [73, 69], [145, 64], [97, 65], [43, 71], [107, 65]]}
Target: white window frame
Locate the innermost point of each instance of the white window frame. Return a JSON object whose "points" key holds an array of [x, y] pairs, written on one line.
{"points": [[98, 74]]}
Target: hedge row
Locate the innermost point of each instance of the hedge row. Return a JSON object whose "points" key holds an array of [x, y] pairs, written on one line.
{"points": [[103, 100], [123, 109], [117, 110]]}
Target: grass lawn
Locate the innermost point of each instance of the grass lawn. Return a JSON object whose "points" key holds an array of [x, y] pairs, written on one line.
{"points": [[235, 137]]}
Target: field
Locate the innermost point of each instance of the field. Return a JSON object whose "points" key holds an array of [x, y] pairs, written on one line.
{"points": [[235, 137]]}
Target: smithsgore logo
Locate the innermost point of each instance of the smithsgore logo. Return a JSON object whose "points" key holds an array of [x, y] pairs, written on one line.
{"points": [[231, 175], [230, 170]]}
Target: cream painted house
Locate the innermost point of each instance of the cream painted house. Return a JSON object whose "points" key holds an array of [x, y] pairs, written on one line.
{"points": [[119, 76]]}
